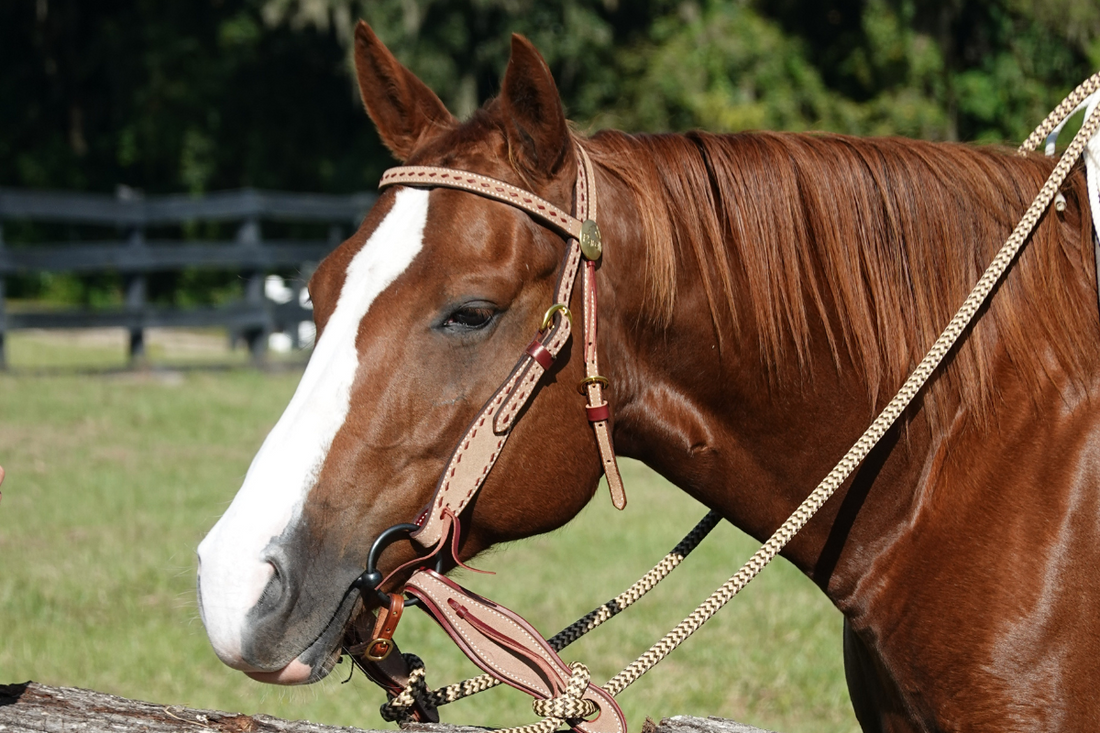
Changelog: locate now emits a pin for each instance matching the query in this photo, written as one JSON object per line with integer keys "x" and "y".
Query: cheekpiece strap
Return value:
{"x": 481, "y": 445}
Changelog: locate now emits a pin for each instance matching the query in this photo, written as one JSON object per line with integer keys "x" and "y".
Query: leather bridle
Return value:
{"x": 484, "y": 440}
{"x": 538, "y": 670}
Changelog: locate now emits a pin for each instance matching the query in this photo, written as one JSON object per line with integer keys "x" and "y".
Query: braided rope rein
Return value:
{"x": 824, "y": 490}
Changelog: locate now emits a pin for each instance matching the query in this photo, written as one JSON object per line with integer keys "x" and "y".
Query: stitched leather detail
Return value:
{"x": 469, "y": 465}
{"x": 506, "y": 418}
{"x": 436, "y": 591}
{"x": 553, "y": 343}
{"x": 594, "y": 392}
{"x": 489, "y": 187}
{"x": 473, "y": 458}
{"x": 503, "y": 644}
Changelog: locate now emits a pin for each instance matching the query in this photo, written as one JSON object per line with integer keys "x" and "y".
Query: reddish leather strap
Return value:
{"x": 391, "y": 674}
{"x": 540, "y": 354}
{"x": 496, "y": 639}
{"x": 507, "y": 647}
{"x": 381, "y": 642}
{"x": 598, "y": 413}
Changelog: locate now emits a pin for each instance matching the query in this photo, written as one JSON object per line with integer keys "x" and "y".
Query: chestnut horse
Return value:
{"x": 761, "y": 296}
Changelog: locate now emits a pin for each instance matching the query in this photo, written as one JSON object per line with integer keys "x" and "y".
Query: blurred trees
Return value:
{"x": 173, "y": 96}
{"x": 212, "y": 94}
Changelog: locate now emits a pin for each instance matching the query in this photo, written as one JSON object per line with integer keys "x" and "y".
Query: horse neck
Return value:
{"x": 706, "y": 410}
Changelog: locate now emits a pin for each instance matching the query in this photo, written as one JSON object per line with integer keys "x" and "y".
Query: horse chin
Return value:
{"x": 319, "y": 658}
{"x": 298, "y": 672}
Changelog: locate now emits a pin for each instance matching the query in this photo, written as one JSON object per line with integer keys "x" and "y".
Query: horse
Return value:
{"x": 761, "y": 296}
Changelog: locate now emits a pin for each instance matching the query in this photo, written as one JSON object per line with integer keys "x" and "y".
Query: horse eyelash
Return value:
{"x": 452, "y": 321}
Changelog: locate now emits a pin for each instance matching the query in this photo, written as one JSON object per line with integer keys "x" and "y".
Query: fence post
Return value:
{"x": 136, "y": 295}
{"x": 256, "y": 337}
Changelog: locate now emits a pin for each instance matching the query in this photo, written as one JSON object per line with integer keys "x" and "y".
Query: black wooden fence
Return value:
{"x": 134, "y": 256}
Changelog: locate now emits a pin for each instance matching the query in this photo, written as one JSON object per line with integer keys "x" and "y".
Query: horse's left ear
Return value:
{"x": 534, "y": 119}
{"x": 403, "y": 108}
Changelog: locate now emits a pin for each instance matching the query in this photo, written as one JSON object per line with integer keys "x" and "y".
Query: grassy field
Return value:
{"x": 113, "y": 479}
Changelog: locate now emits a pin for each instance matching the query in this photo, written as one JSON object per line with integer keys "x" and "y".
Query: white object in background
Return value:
{"x": 275, "y": 290}
{"x": 1092, "y": 159}
{"x": 280, "y": 342}
{"x": 307, "y": 334}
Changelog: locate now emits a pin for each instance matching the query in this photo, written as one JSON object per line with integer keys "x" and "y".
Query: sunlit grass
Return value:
{"x": 114, "y": 479}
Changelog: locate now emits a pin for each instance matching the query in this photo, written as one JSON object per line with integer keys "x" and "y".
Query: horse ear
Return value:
{"x": 534, "y": 119}
{"x": 402, "y": 107}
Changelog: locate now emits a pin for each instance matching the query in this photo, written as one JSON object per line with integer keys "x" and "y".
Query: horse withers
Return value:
{"x": 762, "y": 295}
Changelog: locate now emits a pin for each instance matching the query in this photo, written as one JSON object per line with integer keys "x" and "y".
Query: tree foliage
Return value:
{"x": 225, "y": 93}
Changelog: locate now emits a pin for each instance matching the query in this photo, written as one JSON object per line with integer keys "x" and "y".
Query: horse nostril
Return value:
{"x": 276, "y": 586}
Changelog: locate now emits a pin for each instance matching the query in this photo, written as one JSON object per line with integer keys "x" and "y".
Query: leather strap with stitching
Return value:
{"x": 599, "y": 410}
{"x": 484, "y": 439}
{"x": 426, "y": 175}
{"x": 507, "y": 647}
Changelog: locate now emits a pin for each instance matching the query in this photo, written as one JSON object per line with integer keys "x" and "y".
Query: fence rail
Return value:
{"x": 133, "y": 256}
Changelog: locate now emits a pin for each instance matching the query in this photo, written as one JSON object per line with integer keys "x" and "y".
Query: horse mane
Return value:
{"x": 877, "y": 241}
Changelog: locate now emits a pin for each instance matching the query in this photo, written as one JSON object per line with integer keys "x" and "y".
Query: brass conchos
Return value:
{"x": 591, "y": 242}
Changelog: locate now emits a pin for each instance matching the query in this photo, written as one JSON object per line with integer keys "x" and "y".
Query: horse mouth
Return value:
{"x": 318, "y": 659}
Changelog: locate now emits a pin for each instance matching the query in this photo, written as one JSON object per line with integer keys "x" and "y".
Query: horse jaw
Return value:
{"x": 242, "y": 568}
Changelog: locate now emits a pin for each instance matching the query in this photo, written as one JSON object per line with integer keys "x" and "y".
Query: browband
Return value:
{"x": 426, "y": 175}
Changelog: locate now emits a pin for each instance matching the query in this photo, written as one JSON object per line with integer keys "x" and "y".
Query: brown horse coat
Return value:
{"x": 762, "y": 295}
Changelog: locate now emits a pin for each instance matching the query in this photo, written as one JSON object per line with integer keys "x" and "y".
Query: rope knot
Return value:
{"x": 399, "y": 709}
{"x": 570, "y": 705}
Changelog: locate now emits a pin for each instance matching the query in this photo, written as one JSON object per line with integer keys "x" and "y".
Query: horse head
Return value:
{"x": 420, "y": 317}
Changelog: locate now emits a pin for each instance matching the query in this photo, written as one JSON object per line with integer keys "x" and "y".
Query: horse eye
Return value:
{"x": 469, "y": 318}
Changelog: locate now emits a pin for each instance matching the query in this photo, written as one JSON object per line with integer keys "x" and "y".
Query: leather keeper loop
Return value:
{"x": 599, "y": 413}
{"x": 541, "y": 354}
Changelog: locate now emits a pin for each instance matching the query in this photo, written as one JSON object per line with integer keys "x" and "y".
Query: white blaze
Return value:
{"x": 233, "y": 571}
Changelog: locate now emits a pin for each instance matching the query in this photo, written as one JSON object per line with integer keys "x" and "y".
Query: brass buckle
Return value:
{"x": 376, "y": 654}
{"x": 549, "y": 317}
{"x": 581, "y": 385}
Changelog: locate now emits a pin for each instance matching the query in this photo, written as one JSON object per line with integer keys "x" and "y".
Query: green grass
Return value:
{"x": 37, "y": 351}
{"x": 114, "y": 479}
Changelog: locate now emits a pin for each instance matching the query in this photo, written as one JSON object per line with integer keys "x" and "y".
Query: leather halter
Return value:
{"x": 478, "y": 449}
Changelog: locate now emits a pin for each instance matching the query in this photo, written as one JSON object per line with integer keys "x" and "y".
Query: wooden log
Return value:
{"x": 33, "y": 708}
